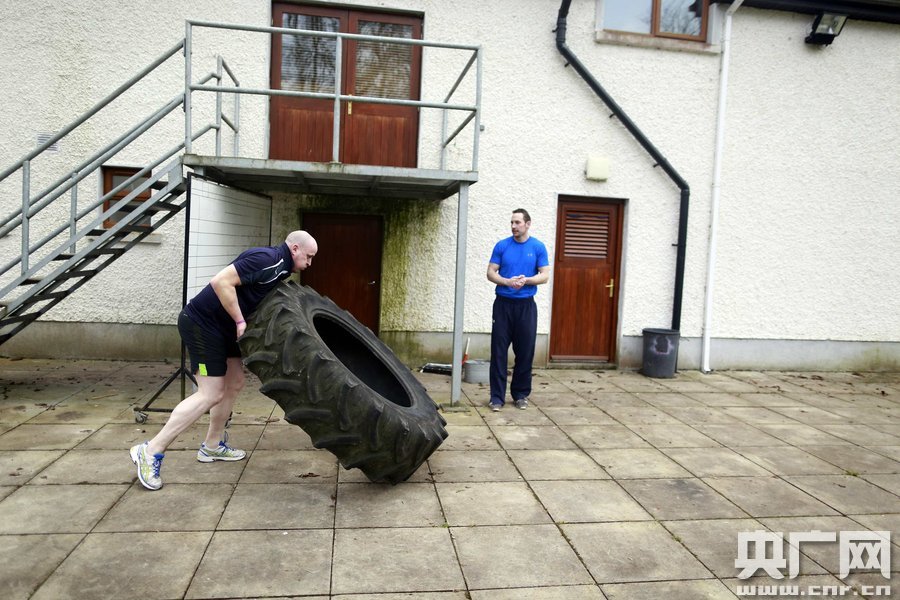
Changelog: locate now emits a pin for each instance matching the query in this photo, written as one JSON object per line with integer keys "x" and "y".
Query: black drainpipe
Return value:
{"x": 648, "y": 146}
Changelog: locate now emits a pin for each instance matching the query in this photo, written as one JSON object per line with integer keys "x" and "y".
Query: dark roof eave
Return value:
{"x": 884, "y": 11}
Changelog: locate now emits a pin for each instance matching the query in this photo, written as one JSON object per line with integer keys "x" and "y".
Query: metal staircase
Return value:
{"x": 78, "y": 241}
{"x": 77, "y": 244}
{"x": 75, "y": 261}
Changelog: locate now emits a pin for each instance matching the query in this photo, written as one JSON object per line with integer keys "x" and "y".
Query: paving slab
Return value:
{"x": 588, "y": 501}
{"x": 477, "y": 465}
{"x": 469, "y": 437}
{"x": 681, "y": 499}
{"x": 569, "y": 592}
{"x": 15, "y": 410}
{"x": 709, "y": 462}
{"x": 674, "y": 436}
{"x": 770, "y": 496}
{"x": 29, "y": 559}
{"x": 695, "y": 589}
{"x": 849, "y": 495}
{"x": 88, "y": 466}
{"x": 604, "y": 436}
{"x": 126, "y": 566}
{"x": 182, "y": 466}
{"x": 891, "y": 483}
{"x": 637, "y": 463}
{"x": 735, "y": 435}
{"x": 799, "y": 434}
{"x": 377, "y": 505}
{"x": 665, "y": 400}
{"x": 854, "y": 459}
{"x": 39, "y": 509}
{"x": 586, "y": 477}
{"x": 826, "y": 554}
{"x": 787, "y": 460}
{"x": 860, "y": 434}
{"x": 392, "y": 560}
{"x": 174, "y": 507}
{"x": 284, "y": 436}
{"x": 632, "y": 552}
{"x": 536, "y": 465}
{"x": 517, "y": 562}
{"x": 288, "y": 466}
{"x": 640, "y": 415}
{"x": 18, "y": 467}
{"x": 44, "y": 437}
{"x": 577, "y": 415}
{"x": 272, "y": 563}
{"x": 490, "y": 503}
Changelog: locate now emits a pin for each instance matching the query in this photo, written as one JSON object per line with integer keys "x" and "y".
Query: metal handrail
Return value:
{"x": 76, "y": 216}
{"x": 97, "y": 107}
{"x": 168, "y": 171}
{"x": 38, "y": 203}
{"x": 474, "y": 110}
{"x": 31, "y": 206}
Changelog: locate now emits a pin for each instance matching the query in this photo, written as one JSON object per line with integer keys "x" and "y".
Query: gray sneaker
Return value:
{"x": 522, "y": 403}
{"x": 496, "y": 406}
{"x": 147, "y": 466}
{"x": 222, "y": 452}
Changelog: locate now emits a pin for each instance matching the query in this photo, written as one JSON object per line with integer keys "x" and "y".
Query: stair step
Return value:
{"x": 164, "y": 206}
{"x": 46, "y": 296}
{"x": 63, "y": 257}
{"x": 104, "y": 250}
{"x": 121, "y": 232}
{"x": 31, "y": 281}
{"x": 79, "y": 273}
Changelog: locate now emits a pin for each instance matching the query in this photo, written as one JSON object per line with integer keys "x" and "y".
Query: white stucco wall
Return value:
{"x": 808, "y": 218}
{"x": 811, "y": 176}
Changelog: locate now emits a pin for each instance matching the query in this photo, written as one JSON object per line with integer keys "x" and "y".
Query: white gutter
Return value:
{"x": 716, "y": 184}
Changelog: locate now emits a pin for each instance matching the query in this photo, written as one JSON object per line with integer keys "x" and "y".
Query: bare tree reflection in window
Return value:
{"x": 383, "y": 70}
{"x": 308, "y": 62}
{"x": 682, "y": 17}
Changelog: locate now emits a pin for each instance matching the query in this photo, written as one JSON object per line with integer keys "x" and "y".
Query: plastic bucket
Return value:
{"x": 660, "y": 353}
{"x": 476, "y": 371}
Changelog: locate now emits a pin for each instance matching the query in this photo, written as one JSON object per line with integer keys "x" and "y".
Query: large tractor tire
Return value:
{"x": 342, "y": 385}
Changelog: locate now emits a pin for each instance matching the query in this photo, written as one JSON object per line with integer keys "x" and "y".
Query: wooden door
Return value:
{"x": 586, "y": 280}
{"x": 302, "y": 128}
{"x": 347, "y": 267}
{"x": 375, "y": 134}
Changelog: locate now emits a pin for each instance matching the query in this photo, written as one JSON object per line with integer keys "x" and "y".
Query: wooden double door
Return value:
{"x": 586, "y": 280}
{"x": 372, "y": 134}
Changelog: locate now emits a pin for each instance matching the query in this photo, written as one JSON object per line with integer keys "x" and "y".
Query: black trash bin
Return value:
{"x": 660, "y": 353}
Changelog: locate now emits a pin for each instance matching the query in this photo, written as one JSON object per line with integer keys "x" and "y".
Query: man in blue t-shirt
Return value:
{"x": 210, "y": 325}
{"x": 518, "y": 265}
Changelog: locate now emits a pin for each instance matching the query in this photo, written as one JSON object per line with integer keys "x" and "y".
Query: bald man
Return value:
{"x": 210, "y": 325}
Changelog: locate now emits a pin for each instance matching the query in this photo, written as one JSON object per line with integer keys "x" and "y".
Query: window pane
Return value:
{"x": 383, "y": 70}
{"x": 627, "y": 15}
{"x": 118, "y": 180}
{"x": 307, "y": 63}
{"x": 679, "y": 16}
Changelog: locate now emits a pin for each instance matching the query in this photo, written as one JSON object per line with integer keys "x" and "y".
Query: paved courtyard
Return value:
{"x": 610, "y": 485}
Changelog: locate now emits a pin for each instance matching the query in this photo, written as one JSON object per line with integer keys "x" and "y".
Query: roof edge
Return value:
{"x": 884, "y": 11}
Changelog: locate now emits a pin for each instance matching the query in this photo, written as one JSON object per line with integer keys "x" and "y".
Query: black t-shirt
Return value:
{"x": 260, "y": 270}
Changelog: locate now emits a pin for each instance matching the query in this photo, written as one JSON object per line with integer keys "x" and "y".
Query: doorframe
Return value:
{"x": 380, "y": 218}
{"x": 618, "y": 270}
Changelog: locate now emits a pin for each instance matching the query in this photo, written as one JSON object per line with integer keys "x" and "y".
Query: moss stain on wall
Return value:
{"x": 408, "y": 247}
